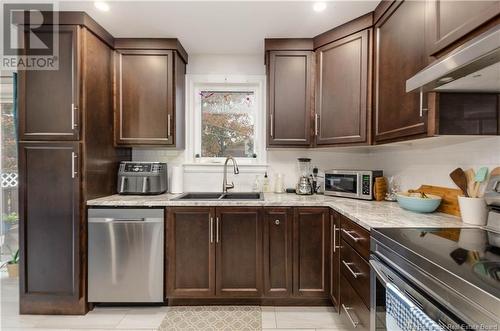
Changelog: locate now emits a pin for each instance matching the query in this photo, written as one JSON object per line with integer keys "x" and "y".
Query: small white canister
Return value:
{"x": 177, "y": 179}
{"x": 473, "y": 210}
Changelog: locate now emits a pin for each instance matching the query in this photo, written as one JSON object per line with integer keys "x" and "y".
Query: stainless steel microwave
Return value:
{"x": 356, "y": 184}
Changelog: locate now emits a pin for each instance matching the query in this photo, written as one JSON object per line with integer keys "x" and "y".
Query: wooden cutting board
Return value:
{"x": 449, "y": 204}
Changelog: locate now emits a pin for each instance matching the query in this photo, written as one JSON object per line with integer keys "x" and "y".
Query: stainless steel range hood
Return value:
{"x": 473, "y": 67}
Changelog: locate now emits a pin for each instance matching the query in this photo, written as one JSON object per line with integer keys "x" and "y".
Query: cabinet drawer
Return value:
{"x": 353, "y": 312}
{"x": 356, "y": 236}
{"x": 356, "y": 270}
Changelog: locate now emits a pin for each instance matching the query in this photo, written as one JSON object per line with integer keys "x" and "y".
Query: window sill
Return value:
{"x": 219, "y": 167}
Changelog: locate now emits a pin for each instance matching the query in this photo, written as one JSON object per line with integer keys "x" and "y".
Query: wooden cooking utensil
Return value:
{"x": 470, "y": 175}
{"x": 459, "y": 178}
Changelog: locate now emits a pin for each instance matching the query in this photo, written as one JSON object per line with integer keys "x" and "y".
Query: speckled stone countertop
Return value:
{"x": 369, "y": 214}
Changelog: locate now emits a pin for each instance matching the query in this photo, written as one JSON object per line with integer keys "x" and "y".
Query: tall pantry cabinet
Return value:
{"x": 66, "y": 157}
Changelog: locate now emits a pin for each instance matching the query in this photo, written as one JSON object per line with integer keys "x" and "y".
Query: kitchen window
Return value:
{"x": 226, "y": 116}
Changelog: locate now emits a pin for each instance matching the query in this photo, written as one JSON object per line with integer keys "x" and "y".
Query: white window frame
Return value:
{"x": 195, "y": 84}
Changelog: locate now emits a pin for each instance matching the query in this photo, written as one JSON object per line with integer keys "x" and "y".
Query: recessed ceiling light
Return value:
{"x": 319, "y": 6}
{"x": 101, "y": 5}
{"x": 445, "y": 79}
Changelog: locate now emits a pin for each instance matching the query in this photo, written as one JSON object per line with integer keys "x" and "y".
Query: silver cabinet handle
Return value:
{"x": 354, "y": 273}
{"x": 271, "y": 129}
{"x": 335, "y": 247}
{"x": 354, "y": 322}
{"x": 422, "y": 108}
{"x": 217, "y": 229}
{"x": 277, "y": 222}
{"x": 168, "y": 125}
{"x": 74, "y": 173}
{"x": 73, "y": 116}
{"x": 349, "y": 233}
{"x": 316, "y": 124}
{"x": 211, "y": 229}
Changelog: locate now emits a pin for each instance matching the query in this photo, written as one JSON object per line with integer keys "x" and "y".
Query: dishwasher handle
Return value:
{"x": 110, "y": 220}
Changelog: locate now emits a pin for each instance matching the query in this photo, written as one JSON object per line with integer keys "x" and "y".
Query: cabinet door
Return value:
{"x": 190, "y": 252}
{"x": 290, "y": 98}
{"x": 144, "y": 97}
{"x": 49, "y": 99}
{"x": 278, "y": 251}
{"x": 311, "y": 259}
{"x": 239, "y": 252}
{"x": 399, "y": 54}
{"x": 335, "y": 258}
{"x": 448, "y": 21}
{"x": 50, "y": 237}
{"x": 342, "y": 90}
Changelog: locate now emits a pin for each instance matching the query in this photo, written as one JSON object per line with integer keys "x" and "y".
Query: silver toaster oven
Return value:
{"x": 142, "y": 178}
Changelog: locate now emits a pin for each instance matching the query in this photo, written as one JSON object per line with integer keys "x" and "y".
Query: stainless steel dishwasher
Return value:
{"x": 125, "y": 255}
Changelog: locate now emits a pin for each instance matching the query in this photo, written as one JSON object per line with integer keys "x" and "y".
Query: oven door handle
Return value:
{"x": 378, "y": 271}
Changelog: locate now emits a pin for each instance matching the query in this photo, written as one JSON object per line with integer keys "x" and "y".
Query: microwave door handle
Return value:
{"x": 359, "y": 185}
{"x": 377, "y": 270}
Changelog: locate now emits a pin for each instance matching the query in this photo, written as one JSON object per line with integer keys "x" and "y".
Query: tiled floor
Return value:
{"x": 148, "y": 318}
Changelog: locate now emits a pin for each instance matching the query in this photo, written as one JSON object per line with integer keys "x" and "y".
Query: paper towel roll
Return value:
{"x": 177, "y": 180}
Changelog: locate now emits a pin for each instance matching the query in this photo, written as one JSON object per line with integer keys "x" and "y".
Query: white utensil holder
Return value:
{"x": 473, "y": 210}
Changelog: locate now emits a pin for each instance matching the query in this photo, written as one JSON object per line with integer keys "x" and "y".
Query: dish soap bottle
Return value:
{"x": 265, "y": 184}
{"x": 256, "y": 184}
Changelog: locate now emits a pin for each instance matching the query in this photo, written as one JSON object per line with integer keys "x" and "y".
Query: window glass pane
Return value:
{"x": 9, "y": 177}
{"x": 227, "y": 124}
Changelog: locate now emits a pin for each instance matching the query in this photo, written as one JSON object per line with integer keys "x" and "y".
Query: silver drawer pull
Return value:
{"x": 74, "y": 172}
{"x": 354, "y": 273}
{"x": 277, "y": 222}
{"x": 217, "y": 230}
{"x": 353, "y": 321}
{"x": 74, "y": 109}
{"x": 335, "y": 247}
{"x": 211, "y": 229}
{"x": 349, "y": 233}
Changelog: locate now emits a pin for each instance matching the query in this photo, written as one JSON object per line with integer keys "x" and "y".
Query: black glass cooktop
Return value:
{"x": 472, "y": 254}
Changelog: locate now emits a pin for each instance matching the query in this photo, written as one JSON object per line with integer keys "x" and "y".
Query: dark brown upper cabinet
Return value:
{"x": 399, "y": 54}
{"x": 290, "y": 98}
{"x": 448, "y": 21}
{"x": 190, "y": 267}
{"x": 49, "y": 100}
{"x": 343, "y": 90}
{"x": 149, "y": 95}
{"x": 311, "y": 262}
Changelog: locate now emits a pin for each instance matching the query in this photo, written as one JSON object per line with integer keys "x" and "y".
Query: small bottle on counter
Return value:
{"x": 265, "y": 184}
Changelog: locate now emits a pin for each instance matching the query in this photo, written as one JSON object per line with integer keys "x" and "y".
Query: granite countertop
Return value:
{"x": 369, "y": 214}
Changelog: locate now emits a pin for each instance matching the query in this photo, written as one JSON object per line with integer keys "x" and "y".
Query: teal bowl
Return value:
{"x": 413, "y": 202}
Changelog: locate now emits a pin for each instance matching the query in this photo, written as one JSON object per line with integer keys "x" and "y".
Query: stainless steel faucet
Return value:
{"x": 225, "y": 185}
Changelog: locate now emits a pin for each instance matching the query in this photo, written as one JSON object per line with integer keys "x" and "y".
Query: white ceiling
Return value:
{"x": 222, "y": 27}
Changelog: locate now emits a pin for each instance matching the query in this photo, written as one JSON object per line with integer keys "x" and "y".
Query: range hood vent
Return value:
{"x": 473, "y": 67}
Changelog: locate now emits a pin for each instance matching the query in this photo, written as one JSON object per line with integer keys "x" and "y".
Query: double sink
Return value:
{"x": 220, "y": 196}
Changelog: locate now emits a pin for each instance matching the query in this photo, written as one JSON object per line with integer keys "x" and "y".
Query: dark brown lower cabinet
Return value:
{"x": 239, "y": 251}
{"x": 52, "y": 260}
{"x": 278, "y": 223}
{"x": 191, "y": 252}
{"x": 335, "y": 258}
{"x": 353, "y": 312}
{"x": 311, "y": 239}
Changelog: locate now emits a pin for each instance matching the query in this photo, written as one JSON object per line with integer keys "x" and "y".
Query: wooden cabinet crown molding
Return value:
{"x": 68, "y": 18}
{"x": 361, "y": 23}
{"x": 172, "y": 44}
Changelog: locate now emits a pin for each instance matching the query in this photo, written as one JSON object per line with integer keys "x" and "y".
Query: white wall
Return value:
{"x": 430, "y": 161}
{"x": 426, "y": 161}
